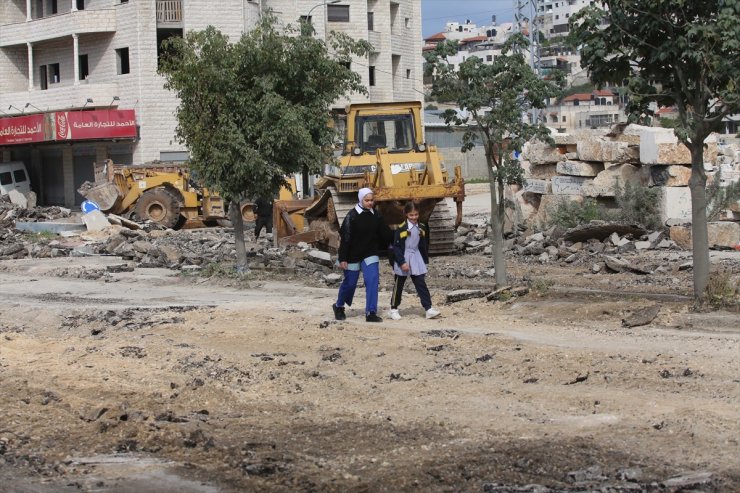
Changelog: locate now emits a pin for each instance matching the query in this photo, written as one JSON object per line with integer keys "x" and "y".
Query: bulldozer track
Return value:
{"x": 442, "y": 230}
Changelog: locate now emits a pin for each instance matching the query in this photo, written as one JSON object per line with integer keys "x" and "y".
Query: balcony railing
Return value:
{"x": 169, "y": 11}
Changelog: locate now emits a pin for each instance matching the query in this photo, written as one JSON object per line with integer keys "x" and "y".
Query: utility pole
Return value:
{"x": 526, "y": 10}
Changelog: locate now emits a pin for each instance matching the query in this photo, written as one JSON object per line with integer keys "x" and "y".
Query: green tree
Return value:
{"x": 254, "y": 111}
{"x": 495, "y": 96}
{"x": 671, "y": 52}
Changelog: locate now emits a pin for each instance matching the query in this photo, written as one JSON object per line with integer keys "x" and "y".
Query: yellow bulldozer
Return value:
{"x": 166, "y": 195}
{"x": 384, "y": 149}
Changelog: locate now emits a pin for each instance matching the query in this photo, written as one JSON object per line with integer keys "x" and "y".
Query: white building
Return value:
{"x": 483, "y": 42}
{"x": 78, "y": 81}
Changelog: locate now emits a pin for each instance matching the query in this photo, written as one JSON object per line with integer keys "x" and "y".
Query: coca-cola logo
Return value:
{"x": 62, "y": 126}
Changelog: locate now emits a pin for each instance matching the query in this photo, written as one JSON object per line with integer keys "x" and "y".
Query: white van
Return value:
{"x": 13, "y": 176}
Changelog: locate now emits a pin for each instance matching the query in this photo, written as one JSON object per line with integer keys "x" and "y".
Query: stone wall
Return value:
{"x": 591, "y": 164}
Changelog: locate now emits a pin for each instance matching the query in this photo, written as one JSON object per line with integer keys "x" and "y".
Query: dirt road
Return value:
{"x": 149, "y": 381}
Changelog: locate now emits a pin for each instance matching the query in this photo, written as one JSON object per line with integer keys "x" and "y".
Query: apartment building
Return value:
{"x": 79, "y": 83}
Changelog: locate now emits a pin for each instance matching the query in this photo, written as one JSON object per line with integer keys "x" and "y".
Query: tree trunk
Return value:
{"x": 699, "y": 233}
{"x": 235, "y": 215}
{"x": 497, "y": 230}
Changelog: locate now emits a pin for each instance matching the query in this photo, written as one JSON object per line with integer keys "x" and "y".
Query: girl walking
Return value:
{"x": 362, "y": 234}
{"x": 411, "y": 256}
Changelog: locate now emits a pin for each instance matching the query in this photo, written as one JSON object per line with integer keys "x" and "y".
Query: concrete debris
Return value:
{"x": 643, "y": 316}
{"x": 463, "y": 294}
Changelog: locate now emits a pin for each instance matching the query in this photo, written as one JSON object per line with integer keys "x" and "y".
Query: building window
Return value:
{"x": 53, "y": 6}
{"x": 84, "y": 67}
{"x": 407, "y": 22}
{"x": 337, "y": 13}
{"x": 408, "y": 73}
{"x": 122, "y": 61}
{"x": 563, "y": 119}
{"x": 43, "y": 80}
{"x": 306, "y": 19}
{"x": 80, "y": 4}
{"x": 489, "y": 58}
{"x": 371, "y": 21}
{"x": 54, "y": 75}
{"x": 372, "y": 75}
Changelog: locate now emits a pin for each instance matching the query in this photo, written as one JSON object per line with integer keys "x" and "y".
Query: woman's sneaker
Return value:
{"x": 432, "y": 313}
{"x": 372, "y": 317}
{"x": 394, "y": 314}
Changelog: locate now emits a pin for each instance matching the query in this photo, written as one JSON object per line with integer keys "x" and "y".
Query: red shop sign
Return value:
{"x": 22, "y": 129}
{"x": 97, "y": 124}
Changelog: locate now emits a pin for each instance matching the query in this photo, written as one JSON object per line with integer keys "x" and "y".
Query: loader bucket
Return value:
{"x": 105, "y": 195}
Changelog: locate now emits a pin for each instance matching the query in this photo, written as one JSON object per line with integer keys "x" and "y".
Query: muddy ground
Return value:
{"x": 155, "y": 381}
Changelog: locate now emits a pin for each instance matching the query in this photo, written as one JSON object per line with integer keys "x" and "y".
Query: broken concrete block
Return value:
{"x": 463, "y": 294}
{"x": 95, "y": 221}
{"x": 543, "y": 171}
{"x": 674, "y": 175}
{"x": 319, "y": 257}
{"x": 640, "y": 317}
{"x": 661, "y": 146}
{"x": 605, "y": 183}
{"x": 533, "y": 185}
{"x": 675, "y": 204}
{"x": 18, "y": 198}
{"x": 598, "y": 149}
{"x": 643, "y": 245}
{"x": 579, "y": 168}
{"x": 723, "y": 234}
{"x": 541, "y": 153}
{"x": 568, "y": 185}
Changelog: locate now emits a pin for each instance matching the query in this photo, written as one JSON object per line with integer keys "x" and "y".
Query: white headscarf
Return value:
{"x": 361, "y": 194}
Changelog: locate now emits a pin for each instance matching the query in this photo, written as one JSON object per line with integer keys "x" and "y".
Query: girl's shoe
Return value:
{"x": 394, "y": 314}
{"x": 432, "y": 313}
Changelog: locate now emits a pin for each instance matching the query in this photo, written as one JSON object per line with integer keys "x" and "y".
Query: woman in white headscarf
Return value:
{"x": 362, "y": 235}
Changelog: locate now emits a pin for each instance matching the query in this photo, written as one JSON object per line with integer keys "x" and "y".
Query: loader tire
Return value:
{"x": 160, "y": 206}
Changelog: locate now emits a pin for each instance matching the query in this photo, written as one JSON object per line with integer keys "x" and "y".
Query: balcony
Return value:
{"x": 59, "y": 26}
{"x": 169, "y": 13}
{"x": 61, "y": 98}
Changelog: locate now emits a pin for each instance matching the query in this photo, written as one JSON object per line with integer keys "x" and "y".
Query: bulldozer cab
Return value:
{"x": 392, "y": 126}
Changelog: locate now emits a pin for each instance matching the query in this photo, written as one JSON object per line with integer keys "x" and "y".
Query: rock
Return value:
{"x": 598, "y": 149}
{"x": 568, "y": 185}
{"x": 95, "y": 221}
{"x": 661, "y": 146}
{"x": 643, "y": 245}
{"x": 600, "y": 230}
{"x": 689, "y": 481}
{"x": 615, "y": 264}
{"x": 722, "y": 234}
{"x": 319, "y": 257}
{"x": 533, "y": 185}
{"x": 463, "y": 294}
{"x": 332, "y": 279}
{"x": 541, "y": 153}
{"x": 596, "y": 268}
{"x": 640, "y": 317}
{"x": 17, "y": 198}
{"x": 579, "y": 168}
{"x": 675, "y": 205}
{"x": 503, "y": 293}
{"x": 605, "y": 183}
{"x": 669, "y": 176}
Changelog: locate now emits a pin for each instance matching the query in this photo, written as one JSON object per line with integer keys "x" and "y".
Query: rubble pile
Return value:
{"x": 9, "y": 213}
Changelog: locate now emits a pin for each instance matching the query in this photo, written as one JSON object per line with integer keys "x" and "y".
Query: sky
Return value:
{"x": 436, "y": 13}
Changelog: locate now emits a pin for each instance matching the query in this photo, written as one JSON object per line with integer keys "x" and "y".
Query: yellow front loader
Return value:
{"x": 163, "y": 194}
